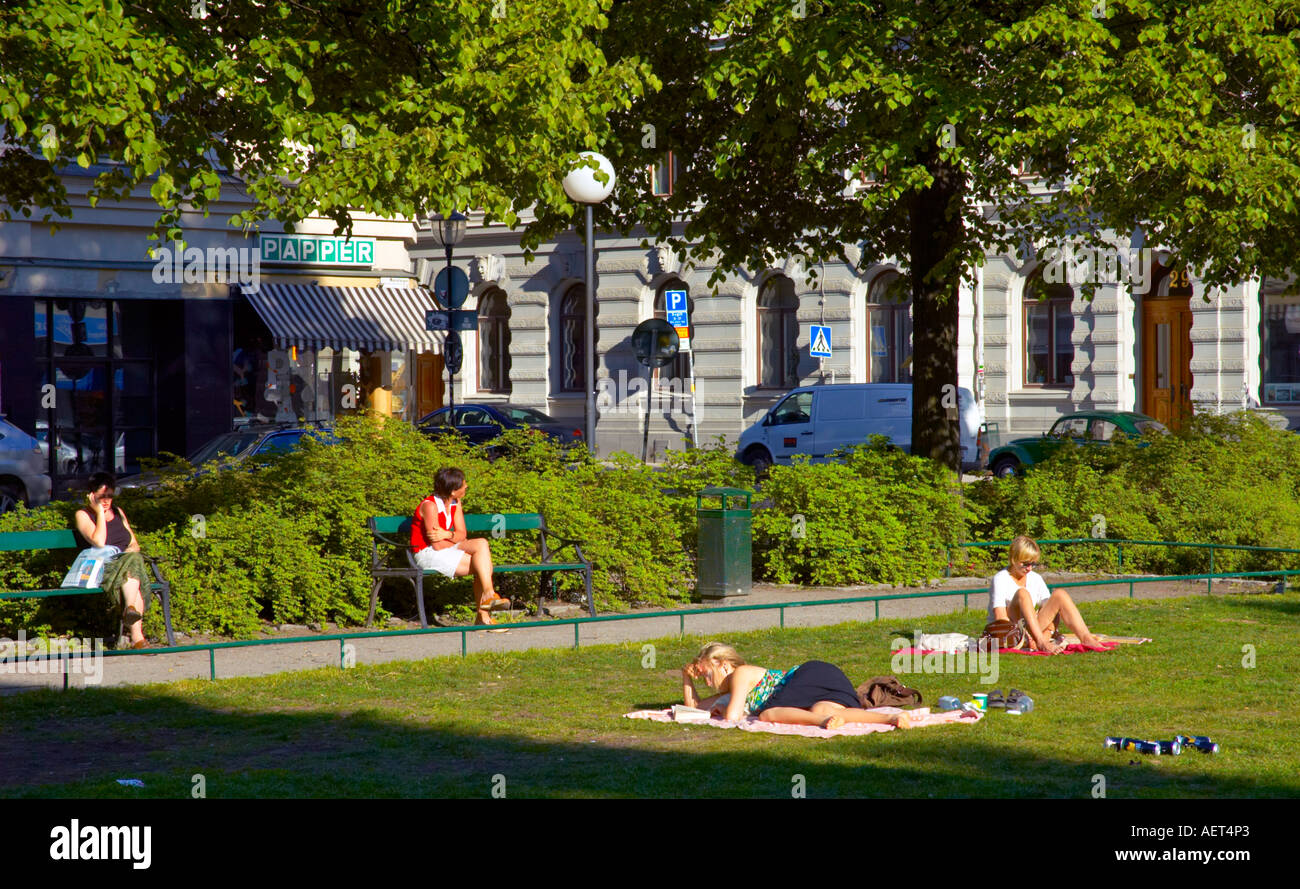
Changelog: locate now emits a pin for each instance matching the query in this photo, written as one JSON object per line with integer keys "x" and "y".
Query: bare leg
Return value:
{"x": 1061, "y": 603}
{"x": 132, "y": 598}
{"x": 828, "y": 714}
{"x": 835, "y": 715}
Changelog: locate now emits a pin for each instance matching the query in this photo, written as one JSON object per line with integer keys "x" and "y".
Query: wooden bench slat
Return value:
{"x": 36, "y": 541}
{"x": 19, "y": 541}
{"x": 395, "y": 532}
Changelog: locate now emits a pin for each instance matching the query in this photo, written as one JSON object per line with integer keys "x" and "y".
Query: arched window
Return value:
{"x": 889, "y": 329}
{"x": 1049, "y": 323}
{"x": 571, "y": 357}
{"x": 778, "y": 333}
{"x": 679, "y": 368}
{"x": 494, "y": 342}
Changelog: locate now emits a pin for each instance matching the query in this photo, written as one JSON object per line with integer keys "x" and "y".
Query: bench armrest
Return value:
{"x": 564, "y": 543}
{"x": 157, "y": 572}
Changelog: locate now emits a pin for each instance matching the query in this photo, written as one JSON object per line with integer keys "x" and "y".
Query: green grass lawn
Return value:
{"x": 550, "y": 722}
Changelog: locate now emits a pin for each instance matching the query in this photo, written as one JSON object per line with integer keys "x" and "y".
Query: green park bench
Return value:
{"x": 36, "y": 541}
{"x": 394, "y": 532}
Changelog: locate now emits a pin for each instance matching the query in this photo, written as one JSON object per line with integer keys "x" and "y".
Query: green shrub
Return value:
{"x": 1225, "y": 479}
{"x": 880, "y": 516}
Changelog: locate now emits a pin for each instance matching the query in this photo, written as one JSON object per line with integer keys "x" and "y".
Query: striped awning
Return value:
{"x": 367, "y": 319}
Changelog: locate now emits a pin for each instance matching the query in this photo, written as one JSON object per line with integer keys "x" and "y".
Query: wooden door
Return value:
{"x": 429, "y": 386}
{"x": 1167, "y": 360}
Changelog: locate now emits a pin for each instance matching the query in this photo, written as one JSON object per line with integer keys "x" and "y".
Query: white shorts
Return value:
{"x": 444, "y": 561}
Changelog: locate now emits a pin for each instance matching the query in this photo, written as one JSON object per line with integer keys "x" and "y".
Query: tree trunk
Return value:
{"x": 936, "y": 240}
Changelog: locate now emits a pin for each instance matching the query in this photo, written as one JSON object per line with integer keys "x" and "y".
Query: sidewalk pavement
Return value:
{"x": 262, "y": 660}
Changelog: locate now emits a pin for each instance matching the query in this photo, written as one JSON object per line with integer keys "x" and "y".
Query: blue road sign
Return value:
{"x": 457, "y": 320}
{"x": 452, "y": 353}
{"x": 678, "y": 310}
{"x": 819, "y": 342}
{"x": 459, "y": 289}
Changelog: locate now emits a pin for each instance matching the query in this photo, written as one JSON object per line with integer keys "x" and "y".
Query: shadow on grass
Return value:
{"x": 166, "y": 741}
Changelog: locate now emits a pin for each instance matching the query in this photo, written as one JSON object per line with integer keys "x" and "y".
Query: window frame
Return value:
{"x": 781, "y": 312}
{"x": 1054, "y": 305}
{"x": 487, "y": 324}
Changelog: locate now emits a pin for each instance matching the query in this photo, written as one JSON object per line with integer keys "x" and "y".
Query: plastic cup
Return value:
{"x": 981, "y": 701}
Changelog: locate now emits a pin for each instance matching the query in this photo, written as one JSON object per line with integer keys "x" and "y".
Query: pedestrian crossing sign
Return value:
{"x": 819, "y": 342}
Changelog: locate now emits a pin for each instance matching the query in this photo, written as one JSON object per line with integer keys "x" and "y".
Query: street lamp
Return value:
{"x": 581, "y": 185}
{"x": 447, "y": 233}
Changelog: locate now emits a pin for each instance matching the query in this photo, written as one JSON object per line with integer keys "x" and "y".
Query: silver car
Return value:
{"x": 23, "y": 479}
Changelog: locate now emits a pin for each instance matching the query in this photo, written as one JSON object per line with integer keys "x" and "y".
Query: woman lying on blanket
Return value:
{"x": 813, "y": 693}
{"x": 1018, "y": 594}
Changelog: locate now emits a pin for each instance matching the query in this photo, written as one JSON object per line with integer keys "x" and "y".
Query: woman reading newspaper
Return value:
{"x": 102, "y": 524}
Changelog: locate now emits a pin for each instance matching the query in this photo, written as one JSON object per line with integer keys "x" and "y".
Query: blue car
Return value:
{"x": 256, "y": 443}
{"x": 481, "y": 423}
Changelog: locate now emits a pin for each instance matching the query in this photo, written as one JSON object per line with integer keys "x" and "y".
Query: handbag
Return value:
{"x": 88, "y": 569}
{"x": 1000, "y": 634}
{"x": 1015, "y": 636}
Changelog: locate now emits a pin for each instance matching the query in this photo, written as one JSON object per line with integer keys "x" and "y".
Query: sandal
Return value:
{"x": 496, "y": 603}
{"x": 996, "y": 701}
{"x": 130, "y": 616}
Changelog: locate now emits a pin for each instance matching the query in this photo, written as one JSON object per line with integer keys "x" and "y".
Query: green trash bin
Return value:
{"x": 724, "y": 567}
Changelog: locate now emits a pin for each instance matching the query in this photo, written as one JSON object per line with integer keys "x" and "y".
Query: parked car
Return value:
{"x": 818, "y": 420}
{"x": 1082, "y": 428}
{"x": 247, "y": 443}
{"x": 23, "y": 479}
{"x": 481, "y": 423}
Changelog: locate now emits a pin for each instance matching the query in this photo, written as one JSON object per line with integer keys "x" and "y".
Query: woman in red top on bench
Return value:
{"x": 439, "y": 542}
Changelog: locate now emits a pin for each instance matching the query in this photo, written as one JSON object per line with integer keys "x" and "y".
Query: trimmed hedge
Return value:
{"x": 287, "y": 542}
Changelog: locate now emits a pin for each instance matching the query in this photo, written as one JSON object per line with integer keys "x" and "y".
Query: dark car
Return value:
{"x": 250, "y": 442}
{"x": 23, "y": 479}
{"x": 481, "y": 423}
{"x": 1082, "y": 428}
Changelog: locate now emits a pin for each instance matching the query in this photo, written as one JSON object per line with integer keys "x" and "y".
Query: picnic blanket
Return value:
{"x": 1074, "y": 648}
{"x": 1071, "y": 639}
{"x": 921, "y": 717}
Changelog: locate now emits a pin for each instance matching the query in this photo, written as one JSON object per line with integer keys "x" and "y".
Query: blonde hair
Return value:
{"x": 1023, "y": 549}
{"x": 720, "y": 651}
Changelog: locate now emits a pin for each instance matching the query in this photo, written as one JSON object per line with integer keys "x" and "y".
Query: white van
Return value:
{"x": 817, "y": 420}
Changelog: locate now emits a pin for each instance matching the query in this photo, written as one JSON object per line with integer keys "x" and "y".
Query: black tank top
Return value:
{"x": 117, "y": 533}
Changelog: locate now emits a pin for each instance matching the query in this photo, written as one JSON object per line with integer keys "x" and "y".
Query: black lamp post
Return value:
{"x": 448, "y": 232}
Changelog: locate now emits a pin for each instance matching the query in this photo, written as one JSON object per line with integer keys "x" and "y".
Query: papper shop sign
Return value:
{"x": 318, "y": 250}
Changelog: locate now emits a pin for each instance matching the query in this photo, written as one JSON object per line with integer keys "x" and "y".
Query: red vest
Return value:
{"x": 445, "y": 522}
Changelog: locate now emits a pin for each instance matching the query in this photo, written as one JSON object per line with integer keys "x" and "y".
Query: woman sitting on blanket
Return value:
{"x": 1018, "y": 594}
{"x": 439, "y": 542}
{"x": 813, "y": 693}
{"x": 102, "y": 524}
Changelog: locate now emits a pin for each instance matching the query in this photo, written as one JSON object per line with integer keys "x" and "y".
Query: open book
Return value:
{"x": 682, "y": 713}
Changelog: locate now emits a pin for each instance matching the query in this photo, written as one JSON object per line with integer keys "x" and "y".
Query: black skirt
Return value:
{"x": 812, "y": 683}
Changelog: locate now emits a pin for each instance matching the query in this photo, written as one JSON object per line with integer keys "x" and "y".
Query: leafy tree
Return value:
{"x": 1176, "y": 115}
{"x": 311, "y": 106}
